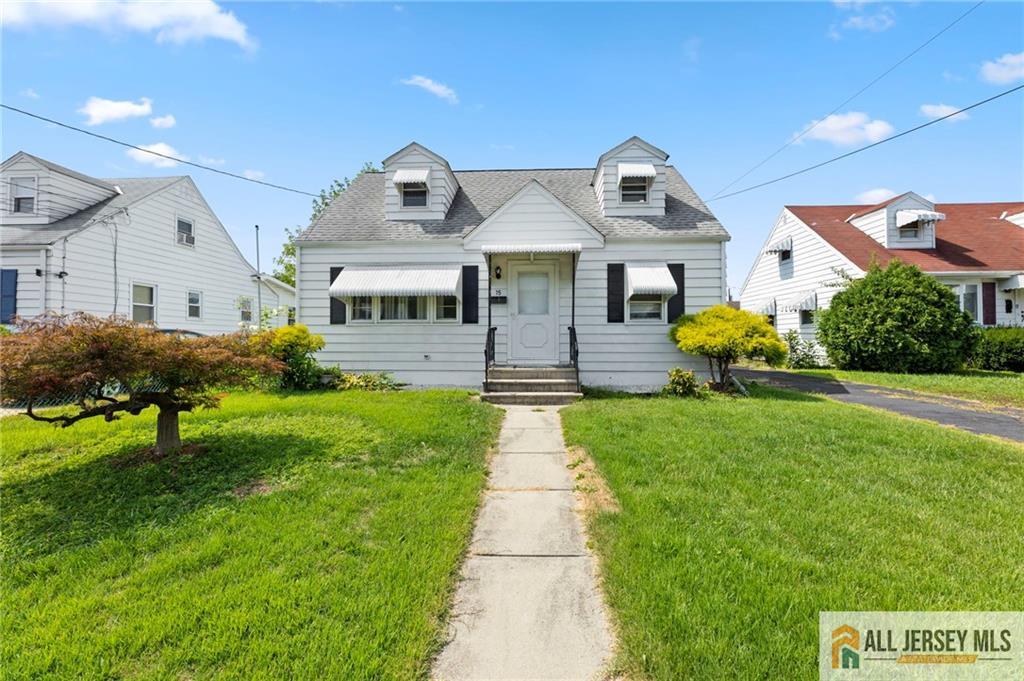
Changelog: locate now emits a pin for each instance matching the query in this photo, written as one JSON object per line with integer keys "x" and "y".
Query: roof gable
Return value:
{"x": 619, "y": 148}
{"x": 561, "y": 223}
{"x": 56, "y": 168}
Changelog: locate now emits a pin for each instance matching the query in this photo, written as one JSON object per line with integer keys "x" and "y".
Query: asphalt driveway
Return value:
{"x": 949, "y": 411}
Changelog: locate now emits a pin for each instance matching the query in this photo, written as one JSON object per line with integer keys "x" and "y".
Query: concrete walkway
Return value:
{"x": 528, "y": 605}
{"x": 949, "y": 411}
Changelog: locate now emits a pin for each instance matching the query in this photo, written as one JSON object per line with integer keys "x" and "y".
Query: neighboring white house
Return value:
{"x": 977, "y": 249}
{"x": 419, "y": 269}
{"x": 147, "y": 248}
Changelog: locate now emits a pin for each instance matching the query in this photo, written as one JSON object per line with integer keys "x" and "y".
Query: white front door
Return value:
{"x": 533, "y": 314}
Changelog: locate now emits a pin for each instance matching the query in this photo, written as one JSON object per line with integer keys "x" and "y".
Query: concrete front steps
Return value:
{"x": 531, "y": 385}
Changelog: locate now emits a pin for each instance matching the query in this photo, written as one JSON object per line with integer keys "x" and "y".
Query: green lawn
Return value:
{"x": 317, "y": 537}
{"x": 741, "y": 519}
{"x": 997, "y": 388}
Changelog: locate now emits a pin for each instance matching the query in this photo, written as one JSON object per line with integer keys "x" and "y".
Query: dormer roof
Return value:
{"x": 646, "y": 146}
{"x": 416, "y": 146}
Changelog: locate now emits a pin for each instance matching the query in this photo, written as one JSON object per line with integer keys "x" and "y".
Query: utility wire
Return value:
{"x": 157, "y": 153}
{"x": 848, "y": 99}
{"x": 869, "y": 146}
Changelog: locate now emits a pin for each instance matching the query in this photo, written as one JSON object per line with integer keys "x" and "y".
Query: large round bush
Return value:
{"x": 897, "y": 319}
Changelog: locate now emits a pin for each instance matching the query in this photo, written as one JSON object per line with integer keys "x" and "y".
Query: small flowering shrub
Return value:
{"x": 803, "y": 354}
{"x": 294, "y": 345}
{"x": 381, "y": 382}
{"x": 683, "y": 383}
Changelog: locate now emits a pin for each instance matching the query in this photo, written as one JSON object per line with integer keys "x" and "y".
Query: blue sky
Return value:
{"x": 302, "y": 93}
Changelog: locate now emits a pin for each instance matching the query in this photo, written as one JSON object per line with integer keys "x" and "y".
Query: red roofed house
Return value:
{"x": 977, "y": 249}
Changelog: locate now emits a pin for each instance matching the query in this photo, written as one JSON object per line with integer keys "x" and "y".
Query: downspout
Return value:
{"x": 42, "y": 279}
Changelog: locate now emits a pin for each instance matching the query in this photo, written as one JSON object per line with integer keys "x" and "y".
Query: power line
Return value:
{"x": 848, "y": 99}
{"x": 869, "y": 146}
{"x": 157, "y": 153}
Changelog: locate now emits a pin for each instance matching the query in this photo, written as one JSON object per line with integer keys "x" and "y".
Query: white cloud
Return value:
{"x": 211, "y": 161}
{"x": 940, "y": 110}
{"x": 875, "y": 22}
{"x": 156, "y": 161}
{"x": 873, "y": 196}
{"x": 848, "y": 129}
{"x": 170, "y": 21}
{"x": 1005, "y": 70}
{"x": 930, "y": 197}
{"x": 253, "y": 174}
{"x": 168, "y": 121}
{"x": 29, "y": 93}
{"x": 433, "y": 87}
{"x": 99, "y": 110}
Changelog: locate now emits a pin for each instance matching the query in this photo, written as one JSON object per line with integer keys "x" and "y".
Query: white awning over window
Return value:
{"x": 805, "y": 300}
{"x": 427, "y": 280}
{"x": 641, "y": 170}
{"x": 649, "y": 278}
{"x": 412, "y": 175}
{"x": 768, "y": 307}
{"x": 1011, "y": 283}
{"x": 531, "y": 248}
{"x": 906, "y": 217}
{"x": 780, "y": 246}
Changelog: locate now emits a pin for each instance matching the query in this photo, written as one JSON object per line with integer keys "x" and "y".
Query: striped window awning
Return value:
{"x": 805, "y": 300}
{"x": 1011, "y": 283}
{"x": 411, "y": 176}
{"x": 427, "y": 280}
{"x": 634, "y": 170}
{"x": 768, "y": 307}
{"x": 907, "y": 217}
{"x": 649, "y": 278}
{"x": 780, "y": 246}
{"x": 531, "y": 248}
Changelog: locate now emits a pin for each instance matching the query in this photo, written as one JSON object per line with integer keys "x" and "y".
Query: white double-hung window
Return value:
{"x": 648, "y": 287}
{"x": 403, "y": 308}
{"x": 143, "y": 303}
{"x": 635, "y": 182}
{"x": 195, "y": 305}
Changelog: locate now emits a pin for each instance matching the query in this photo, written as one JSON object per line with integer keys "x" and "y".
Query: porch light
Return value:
{"x": 497, "y": 272}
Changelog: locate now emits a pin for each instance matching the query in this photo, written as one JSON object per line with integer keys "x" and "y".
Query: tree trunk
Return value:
{"x": 168, "y": 439}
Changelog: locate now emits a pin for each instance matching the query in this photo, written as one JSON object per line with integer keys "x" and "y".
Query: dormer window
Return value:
{"x": 635, "y": 182}
{"x": 414, "y": 195}
{"x": 911, "y": 231}
{"x": 412, "y": 186}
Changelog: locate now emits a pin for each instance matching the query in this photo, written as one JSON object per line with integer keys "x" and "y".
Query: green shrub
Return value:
{"x": 897, "y": 319}
{"x": 294, "y": 345}
{"x": 380, "y": 382}
{"x": 683, "y": 383}
{"x": 1001, "y": 348}
{"x": 803, "y": 354}
{"x": 723, "y": 335}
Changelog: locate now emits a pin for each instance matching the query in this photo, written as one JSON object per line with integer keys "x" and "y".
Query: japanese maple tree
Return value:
{"x": 111, "y": 366}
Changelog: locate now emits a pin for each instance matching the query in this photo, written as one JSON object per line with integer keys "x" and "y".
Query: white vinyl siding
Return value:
{"x": 606, "y": 185}
{"x": 440, "y": 191}
{"x": 56, "y": 195}
{"x": 630, "y": 356}
{"x": 147, "y": 252}
{"x": 810, "y": 267}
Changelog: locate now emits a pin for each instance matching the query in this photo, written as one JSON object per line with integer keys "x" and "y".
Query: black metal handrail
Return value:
{"x": 489, "y": 353}
{"x": 574, "y": 354}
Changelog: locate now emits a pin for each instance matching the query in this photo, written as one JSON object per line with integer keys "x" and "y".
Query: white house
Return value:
{"x": 147, "y": 248}
{"x": 455, "y": 278}
{"x": 977, "y": 249}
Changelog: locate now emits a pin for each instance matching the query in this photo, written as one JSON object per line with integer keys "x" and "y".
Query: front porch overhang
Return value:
{"x": 513, "y": 248}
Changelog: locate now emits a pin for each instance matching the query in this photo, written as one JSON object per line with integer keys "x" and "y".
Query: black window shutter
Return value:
{"x": 337, "y": 307}
{"x": 988, "y": 303}
{"x": 616, "y": 293}
{"x": 470, "y": 294}
{"x": 8, "y": 295}
{"x": 677, "y": 303}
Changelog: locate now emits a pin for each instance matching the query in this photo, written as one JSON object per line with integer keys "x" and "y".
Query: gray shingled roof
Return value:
{"x": 358, "y": 214}
{"x": 133, "y": 189}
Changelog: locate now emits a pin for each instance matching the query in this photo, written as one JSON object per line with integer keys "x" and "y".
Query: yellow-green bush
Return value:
{"x": 723, "y": 335}
{"x": 294, "y": 345}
